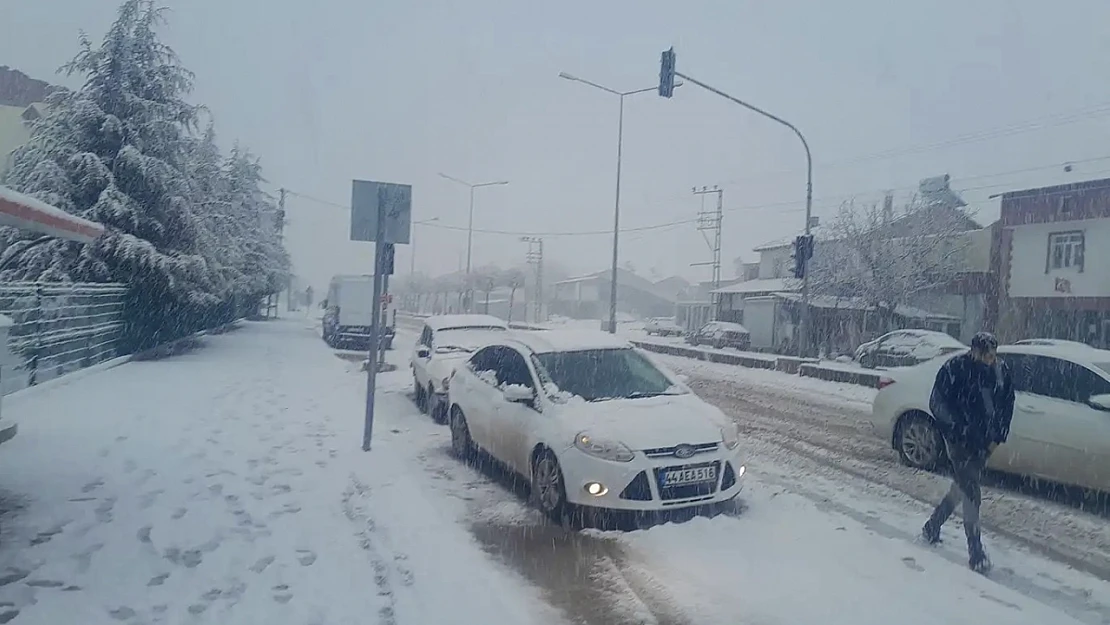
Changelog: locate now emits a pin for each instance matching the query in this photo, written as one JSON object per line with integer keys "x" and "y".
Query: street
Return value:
{"x": 227, "y": 485}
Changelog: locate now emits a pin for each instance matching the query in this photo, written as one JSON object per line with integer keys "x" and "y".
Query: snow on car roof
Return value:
{"x": 547, "y": 341}
{"x": 1076, "y": 353}
{"x": 451, "y": 322}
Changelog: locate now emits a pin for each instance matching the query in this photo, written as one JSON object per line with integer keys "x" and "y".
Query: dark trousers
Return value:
{"x": 967, "y": 471}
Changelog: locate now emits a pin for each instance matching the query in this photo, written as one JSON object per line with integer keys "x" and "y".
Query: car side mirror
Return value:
{"x": 1100, "y": 402}
{"x": 423, "y": 352}
{"x": 517, "y": 394}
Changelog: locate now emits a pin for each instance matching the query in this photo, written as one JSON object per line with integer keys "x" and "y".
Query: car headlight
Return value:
{"x": 730, "y": 435}
{"x": 606, "y": 450}
{"x": 445, "y": 383}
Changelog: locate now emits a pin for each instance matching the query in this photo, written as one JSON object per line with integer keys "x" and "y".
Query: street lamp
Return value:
{"x": 470, "y": 218}
{"x": 412, "y": 244}
{"x": 617, "y": 201}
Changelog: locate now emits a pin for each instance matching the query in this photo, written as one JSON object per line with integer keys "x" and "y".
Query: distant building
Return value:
{"x": 587, "y": 297}
{"x": 21, "y": 103}
{"x": 1053, "y": 258}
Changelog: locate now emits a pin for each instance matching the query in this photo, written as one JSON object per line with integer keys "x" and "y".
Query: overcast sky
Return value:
{"x": 330, "y": 90}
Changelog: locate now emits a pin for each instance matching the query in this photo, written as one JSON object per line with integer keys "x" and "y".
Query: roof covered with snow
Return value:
{"x": 547, "y": 341}
{"x": 450, "y": 322}
{"x": 765, "y": 285}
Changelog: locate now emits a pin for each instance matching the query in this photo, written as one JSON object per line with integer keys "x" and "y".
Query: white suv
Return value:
{"x": 591, "y": 421}
{"x": 446, "y": 341}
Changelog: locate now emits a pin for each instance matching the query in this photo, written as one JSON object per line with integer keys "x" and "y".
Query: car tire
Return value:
{"x": 919, "y": 442}
{"x": 437, "y": 411}
{"x": 418, "y": 394}
{"x": 429, "y": 394}
{"x": 867, "y": 361}
{"x": 462, "y": 446}
{"x": 549, "y": 493}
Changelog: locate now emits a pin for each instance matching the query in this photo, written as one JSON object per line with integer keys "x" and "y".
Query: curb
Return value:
{"x": 803, "y": 367}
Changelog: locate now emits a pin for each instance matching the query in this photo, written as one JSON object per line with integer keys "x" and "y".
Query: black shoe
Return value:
{"x": 980, "y": 563}
{"x": 930, "y": 535}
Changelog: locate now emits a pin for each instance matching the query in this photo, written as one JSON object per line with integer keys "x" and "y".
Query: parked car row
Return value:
{"x": 588, "y": 419}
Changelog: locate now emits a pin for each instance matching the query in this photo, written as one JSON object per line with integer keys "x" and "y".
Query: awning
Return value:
{"x": 26, "y": 213}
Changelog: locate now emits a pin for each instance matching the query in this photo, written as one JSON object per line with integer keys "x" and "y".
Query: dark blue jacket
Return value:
{"x": 959, "y": 408}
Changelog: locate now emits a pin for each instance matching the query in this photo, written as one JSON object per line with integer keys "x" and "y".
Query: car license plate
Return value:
{"x": 692, "y": 475}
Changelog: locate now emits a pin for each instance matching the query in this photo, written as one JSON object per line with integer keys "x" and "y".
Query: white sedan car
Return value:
{"x": 445, "y": 341}
{"x": 1061, "y": 426}
{"x": 593, "y": 422}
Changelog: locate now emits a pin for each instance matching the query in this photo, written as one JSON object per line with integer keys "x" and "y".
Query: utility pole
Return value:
{"x": 271, "y": 304}
{"x": 667, "y": 75}
{"x": 535, "y": 258}
{"x": 710, "y": 221}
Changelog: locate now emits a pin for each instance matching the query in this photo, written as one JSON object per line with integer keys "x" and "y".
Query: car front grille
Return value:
{"x": 660, "y": 452}
{"x": 638, "y": 489}
{"x": 728, "y": 480}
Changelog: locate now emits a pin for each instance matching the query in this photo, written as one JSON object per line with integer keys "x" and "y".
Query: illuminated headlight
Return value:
{"x": 597, "y": 489}
{"x": 606, "y": 450}
{"x": 730, "y": 436}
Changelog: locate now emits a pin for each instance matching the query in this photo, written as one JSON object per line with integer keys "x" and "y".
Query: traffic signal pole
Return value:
{"x": 667, "y": 74}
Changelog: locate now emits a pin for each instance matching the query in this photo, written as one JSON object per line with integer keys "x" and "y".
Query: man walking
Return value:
{"x": 973, "y": 403}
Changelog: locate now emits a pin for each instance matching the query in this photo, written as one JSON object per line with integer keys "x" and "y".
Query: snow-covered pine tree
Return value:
{"x": 121, "y": 151}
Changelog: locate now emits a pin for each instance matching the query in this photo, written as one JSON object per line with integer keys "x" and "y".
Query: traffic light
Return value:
{"x": 666, "y": 73}
{"x": 803, "y": 251}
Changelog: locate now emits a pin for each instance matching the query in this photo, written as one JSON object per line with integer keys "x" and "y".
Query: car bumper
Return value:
{"x": 636, "y": 485}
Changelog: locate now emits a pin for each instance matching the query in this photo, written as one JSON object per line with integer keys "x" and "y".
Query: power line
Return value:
{"x": 783, "y": 205}
{"x": 1040, "y": 123}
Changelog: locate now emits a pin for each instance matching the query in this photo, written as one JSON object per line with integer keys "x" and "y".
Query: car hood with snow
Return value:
{"x": 648, "y": 422}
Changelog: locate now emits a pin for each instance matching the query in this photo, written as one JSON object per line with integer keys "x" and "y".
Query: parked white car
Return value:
{"x": 1053, "y": 343}
{"x": 445, "y": 341}
{"x": 1061, "y": 426}
{"x": 663, "y": 326}
{"x": 593, "y": 422}
{"x": 904, "y": 348}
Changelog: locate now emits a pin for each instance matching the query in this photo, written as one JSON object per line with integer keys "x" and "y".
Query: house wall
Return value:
{"x": 775, "y": 263}
{"x": 1031, "y": 276}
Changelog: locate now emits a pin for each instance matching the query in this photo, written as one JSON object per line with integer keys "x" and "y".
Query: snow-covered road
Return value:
{"x": 227, "y": 486}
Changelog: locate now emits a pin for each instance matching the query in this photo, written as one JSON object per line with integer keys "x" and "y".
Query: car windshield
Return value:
{"x": 463, "y": 339}
{"x": 603, "y": 374}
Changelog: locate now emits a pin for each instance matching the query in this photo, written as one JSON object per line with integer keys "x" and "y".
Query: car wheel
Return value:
{"x": 548, "y": 490}
{"x": 429, "y": 399}
{"x": 867, "y": 361}
{"x": 920, "y": 444}
{"x": 418, "y": 393}
{"x": 461, "y": 443}
{"x": 438, "y": 411}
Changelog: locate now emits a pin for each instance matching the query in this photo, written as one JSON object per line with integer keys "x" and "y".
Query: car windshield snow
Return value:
{"x": 463, "y": 339}
{"x": 603, "y": 374}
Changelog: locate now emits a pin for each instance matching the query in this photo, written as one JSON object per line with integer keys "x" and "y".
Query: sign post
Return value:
{"x": 380, "y": 212}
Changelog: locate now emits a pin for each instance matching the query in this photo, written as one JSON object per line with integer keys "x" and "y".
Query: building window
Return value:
{"x": 1065, "y": 251}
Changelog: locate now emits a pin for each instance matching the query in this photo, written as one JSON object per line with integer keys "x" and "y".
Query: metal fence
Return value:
{"x": 58, "y": 328}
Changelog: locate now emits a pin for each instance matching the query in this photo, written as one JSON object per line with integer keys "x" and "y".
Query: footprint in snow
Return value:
{"x": 306, "y": 557}
{"x": 262, "y": 563}
{"x": 912, "y": 564}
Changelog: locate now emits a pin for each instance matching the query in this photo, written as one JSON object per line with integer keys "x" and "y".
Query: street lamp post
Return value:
{"x": 617, "y": 201}
{"x": 412, "y": 244}
{"x": 470, "y": 219}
